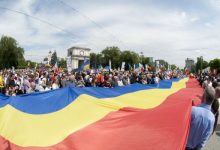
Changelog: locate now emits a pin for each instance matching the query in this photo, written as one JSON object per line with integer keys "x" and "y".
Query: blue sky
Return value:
{"x": 164, "y": 29}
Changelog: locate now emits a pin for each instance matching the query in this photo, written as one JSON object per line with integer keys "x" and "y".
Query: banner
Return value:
{"x": 215, "y": 72}
{"x": 146, "y": 67}
{"x": 100, "y": 67}
{"x": 157, "y": 66}
{"x": 85, "y": 65}
{"x": 186, "y": 71}
{"x": 107, "y": 68}
{"x": 123, "y": 66}
{"x": 69, "y": 64}
{"x": 110, "y": 64}
{"x": 136, "y": 116}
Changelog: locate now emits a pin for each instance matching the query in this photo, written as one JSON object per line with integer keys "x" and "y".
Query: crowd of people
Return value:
{"x": 204, "y": 117}
{"x": 17, "y": 82}
{"x": 203, "y": 120}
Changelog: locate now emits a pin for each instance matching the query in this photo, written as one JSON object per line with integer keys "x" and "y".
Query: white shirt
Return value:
{"x": 55, "y": 86}
{"x": 120, "y": 83}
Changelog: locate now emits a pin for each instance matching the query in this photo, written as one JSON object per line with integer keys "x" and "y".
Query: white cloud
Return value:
{"x": 183, "y": 14}
{"x": 194, "y": 19}
{"x": 208, "y": 24}
{"x": 172, "y": 33}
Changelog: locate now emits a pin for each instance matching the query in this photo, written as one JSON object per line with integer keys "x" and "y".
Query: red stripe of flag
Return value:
{"x": 162, "y": 128}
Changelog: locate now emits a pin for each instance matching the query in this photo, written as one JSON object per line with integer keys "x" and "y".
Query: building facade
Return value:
{"x": 78, "y": 55}
{"x": 189, "y": 64}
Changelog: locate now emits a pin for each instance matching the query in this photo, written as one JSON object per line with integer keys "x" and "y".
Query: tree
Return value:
{"x": 62, "y": 63}
{"x": 173, "y": 67}
{"x": 215, "y": 64}
{"x": 10, "y": 53}
{"x": 193, "y": 69}
{"x": 113, "y": 54}
{"x": 99, "y": 60}
{"x": 31, "y": 64}
{"x": 130, "y": 58}
{"x": 145, "y": 61}
{"x": 96, "y": 60}
{"x": 54, "y": 58}
{"x": 205, "y": 64}
{"x": 198, "y": 64}
{"x": 93, "y": 62}
{"x": 201, "y": 64}
{"x": 45, "y": 59}
{"x": 164, "y": 64}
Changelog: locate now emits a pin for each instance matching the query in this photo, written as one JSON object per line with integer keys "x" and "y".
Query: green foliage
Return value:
{"x": 215, "y": 64}
{"x": 62, "y": 63}
{"x": 201, "y": 64}
{"x": 173, "y": 67}
{"x": 145, "y": 60}
{"x": 99, "y": 60}
{"x": 93, "y": 62}
{"x": 163, "y": 64}
{"x": 205, "y": 64}
{"x": 198, "y": 64}
{"x": 54, "y": 58}
{"x": 117, "y": 57}
{"x": 31, "y": 64}
{"x": 130, "y": 58}
{"x": 45, "y": 59}
{"x": 10, "y": 53}
{"x": 193, "y": 69}
{"x": 96, "y": 60}
{"x": 113, "y": 54}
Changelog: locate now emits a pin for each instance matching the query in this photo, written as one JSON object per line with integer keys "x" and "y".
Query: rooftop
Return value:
{"x": 75, "y": 47}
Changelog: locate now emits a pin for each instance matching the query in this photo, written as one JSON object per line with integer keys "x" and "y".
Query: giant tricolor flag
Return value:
{"x": 134, "y": 117}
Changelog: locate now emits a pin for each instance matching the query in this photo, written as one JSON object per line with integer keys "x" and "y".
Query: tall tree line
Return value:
{"x": 10, "y": 53}
{"x": 117, "y": 57}
{"x": 202, "y": 64}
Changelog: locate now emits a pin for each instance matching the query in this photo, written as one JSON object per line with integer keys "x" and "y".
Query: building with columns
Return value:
{"x": 78, "y": 55}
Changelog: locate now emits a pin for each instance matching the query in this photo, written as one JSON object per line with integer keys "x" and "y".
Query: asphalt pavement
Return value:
{"x": 214, "y": 141}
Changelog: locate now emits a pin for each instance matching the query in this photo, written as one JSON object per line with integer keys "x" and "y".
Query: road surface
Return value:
{"x": 214, "y": 141}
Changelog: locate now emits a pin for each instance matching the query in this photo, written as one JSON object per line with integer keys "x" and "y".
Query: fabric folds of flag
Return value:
{"x": 85, "y": 65}
{"x": 136, "y": 117}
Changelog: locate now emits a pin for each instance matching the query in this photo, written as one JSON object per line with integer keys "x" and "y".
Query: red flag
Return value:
{"x": 186, "y": 71}
{"x": 215, "y": 72}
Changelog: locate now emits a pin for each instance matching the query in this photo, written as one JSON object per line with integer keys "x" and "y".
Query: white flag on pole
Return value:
{"x": 69, "y": 64}
{"x": 123, "y": 66}
{"x": 110, "y": 64}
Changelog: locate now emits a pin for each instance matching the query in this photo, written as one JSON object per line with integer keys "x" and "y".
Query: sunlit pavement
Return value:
{"x": 214, "y": 141}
